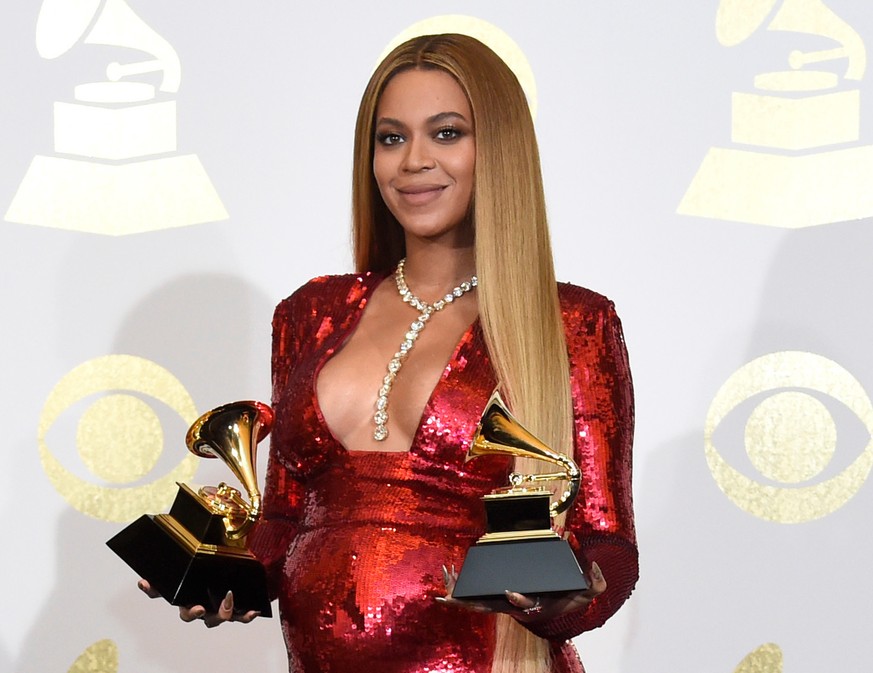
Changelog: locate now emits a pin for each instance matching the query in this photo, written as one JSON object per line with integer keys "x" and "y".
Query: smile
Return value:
{"x": 420, "y": 195}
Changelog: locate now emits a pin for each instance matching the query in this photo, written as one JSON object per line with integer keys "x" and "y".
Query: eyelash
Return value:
{"x": 390, "y": 138}
{"x": 455, "y": 133}
{"x": 387, "y": 138}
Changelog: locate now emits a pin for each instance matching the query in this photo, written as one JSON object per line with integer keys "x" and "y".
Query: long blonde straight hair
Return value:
{"x": 519, "y": 310}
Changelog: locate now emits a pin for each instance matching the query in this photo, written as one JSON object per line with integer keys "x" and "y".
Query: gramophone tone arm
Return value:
{"x": 571, "y": 476}
{"x": 517, "y": 478}
{"x": 814, "y": 17}
{"x": 116, "y": 71}
{"x": 253, "y": 511}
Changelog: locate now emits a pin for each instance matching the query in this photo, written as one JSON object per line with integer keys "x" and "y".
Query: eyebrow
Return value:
{"x": 433, "y": 119}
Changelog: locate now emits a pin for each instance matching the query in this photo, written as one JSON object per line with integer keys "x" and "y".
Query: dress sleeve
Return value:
{"x": 283, "y": 492}
{"x": 600, "y": 524}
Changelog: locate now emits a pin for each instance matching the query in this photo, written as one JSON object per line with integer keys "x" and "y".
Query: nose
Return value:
{"x": 418, "y": 156}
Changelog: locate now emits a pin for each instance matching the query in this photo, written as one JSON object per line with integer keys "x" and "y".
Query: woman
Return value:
{"x": 379, "y": 382}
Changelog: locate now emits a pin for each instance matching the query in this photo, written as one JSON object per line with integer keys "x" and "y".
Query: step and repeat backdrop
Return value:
{"x": 171, "y": 170}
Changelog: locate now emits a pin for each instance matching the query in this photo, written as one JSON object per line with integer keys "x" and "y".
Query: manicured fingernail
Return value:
{"x": 198, "y": 613}
{"x": 141, "y": 585}
{"x": 227, "y": 603}
{"x": 595, "y": 571}
{"x": 446, "y": 575}
{"x": 441, "y": 599}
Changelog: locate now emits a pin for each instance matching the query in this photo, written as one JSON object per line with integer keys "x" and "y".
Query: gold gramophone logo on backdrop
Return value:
{"x": 796, "y": 160}
{"x": 119, "y": 436}
{"x": 790, "y": 437}
{"x": 115, "y": 170}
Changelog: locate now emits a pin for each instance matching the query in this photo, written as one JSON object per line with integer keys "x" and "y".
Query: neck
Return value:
{"x": 431, "y": 271}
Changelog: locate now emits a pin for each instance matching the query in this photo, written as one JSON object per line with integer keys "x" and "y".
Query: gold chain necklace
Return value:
{"x": 380, "y": 418}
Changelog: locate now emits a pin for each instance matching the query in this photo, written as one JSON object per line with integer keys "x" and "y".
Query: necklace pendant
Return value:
{"x": 380, "y": 417}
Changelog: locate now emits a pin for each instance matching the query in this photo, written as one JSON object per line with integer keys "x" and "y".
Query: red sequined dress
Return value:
{"x": 354, "y": 541}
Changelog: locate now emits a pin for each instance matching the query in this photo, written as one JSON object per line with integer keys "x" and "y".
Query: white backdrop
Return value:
{"x": 148, "y": 233}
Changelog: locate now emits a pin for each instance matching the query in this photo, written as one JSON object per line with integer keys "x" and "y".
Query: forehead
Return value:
{"x": 414, "y": 94}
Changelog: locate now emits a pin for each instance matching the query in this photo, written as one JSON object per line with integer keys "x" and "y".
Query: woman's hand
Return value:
{"x": 192, "y": 613}
{"x": 527, "y": 609}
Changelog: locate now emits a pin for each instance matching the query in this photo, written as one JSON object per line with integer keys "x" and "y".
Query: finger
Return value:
{"x": 147, "y": 589}
{"x": 247, "y": 617}
{"x": 191, "y": 614}
{"x": 520, "y": 601}
{"x": 597, "y": 580}
{"x": 224, "y": 614}
{"x": 464, "y": 605}
{"x": 449, "y": 578}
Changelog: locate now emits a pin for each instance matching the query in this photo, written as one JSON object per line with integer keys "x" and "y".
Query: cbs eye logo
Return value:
{"x": 119, "y": 436}
{"x": 790, "y": 436}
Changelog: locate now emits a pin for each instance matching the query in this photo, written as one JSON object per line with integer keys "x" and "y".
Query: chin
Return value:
{"x": 435, "y": 234}
{"x": 434, "y": 229}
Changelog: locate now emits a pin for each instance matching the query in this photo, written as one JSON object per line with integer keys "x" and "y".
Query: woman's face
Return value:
{"x": 425, "y": 154}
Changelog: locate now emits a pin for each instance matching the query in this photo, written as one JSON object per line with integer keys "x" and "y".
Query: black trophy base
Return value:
{"x": 530, "y": 567}
{"x": 162, "y": 550}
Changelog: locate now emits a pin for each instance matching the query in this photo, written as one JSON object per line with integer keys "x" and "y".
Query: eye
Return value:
{"x": 388, "y": 138}
{"x": 448, "y": 133}
{"x": 786, "y": 410}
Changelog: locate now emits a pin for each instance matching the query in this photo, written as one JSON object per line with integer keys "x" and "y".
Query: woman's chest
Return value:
{"x": 444, "y": 413}
{"x": 373, "y": 386}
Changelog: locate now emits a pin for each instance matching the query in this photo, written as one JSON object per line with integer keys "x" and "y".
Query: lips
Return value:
{"x": 420, "y": 195}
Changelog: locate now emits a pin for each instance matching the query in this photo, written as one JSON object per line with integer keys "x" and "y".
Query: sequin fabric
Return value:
{"x": 354, "y": 541}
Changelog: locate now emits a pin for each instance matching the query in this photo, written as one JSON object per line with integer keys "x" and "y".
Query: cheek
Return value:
{"x": 468, "y": 160}
{"x": 381, "y": 172}
{"x": 467, "y": 172}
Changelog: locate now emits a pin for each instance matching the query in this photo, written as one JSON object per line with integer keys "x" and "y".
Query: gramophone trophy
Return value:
{"x": 520, "y": 551}
{"x": 197, "y": 553}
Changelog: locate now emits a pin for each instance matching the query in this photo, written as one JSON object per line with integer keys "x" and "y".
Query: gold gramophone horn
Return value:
{"x": 231, "y": 432}
{"x": 499, "y": 433}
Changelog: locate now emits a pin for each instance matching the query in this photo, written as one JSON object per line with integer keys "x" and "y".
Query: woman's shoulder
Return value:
{"x": 591, "y": 325}
{"x": 576, "y": 299}
{"x": 325, "y": 294}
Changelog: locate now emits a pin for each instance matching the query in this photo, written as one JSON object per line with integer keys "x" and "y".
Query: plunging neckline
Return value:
{"x": 333, "y": 350}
